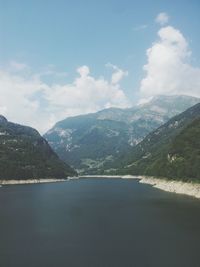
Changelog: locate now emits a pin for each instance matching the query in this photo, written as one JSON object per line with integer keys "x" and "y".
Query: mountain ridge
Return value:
{"x": 172, "y": 150}
{"x": 90, "y": 141}
{"x": 24, "y": 154}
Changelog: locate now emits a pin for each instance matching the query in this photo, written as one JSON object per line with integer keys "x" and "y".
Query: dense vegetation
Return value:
{"x": 172, "y": 151}
{"x": 108, "y": 142}
{"x": 24, "y": 154}
{"x": 91, "y": 143}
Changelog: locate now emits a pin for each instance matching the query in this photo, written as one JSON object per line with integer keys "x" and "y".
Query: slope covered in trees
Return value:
{"x": 24, "y": 154}
{"x": 173, "y": 150}
{"x": 91, "y": 143}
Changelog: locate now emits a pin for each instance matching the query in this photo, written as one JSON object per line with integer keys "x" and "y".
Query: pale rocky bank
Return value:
{"x": 31, "y": 181}
{"x": 179, "y": 187}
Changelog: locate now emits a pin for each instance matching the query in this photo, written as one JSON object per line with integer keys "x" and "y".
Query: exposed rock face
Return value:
{"x": 172, "y": 150}
{"x": 2, "y": 119}
{"x": 91, "y": 142}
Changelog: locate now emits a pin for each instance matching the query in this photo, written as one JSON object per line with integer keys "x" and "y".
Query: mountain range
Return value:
{"x": 93, "y": 143}
{"x": 24, "y": 154}
{"x": 149, "y": 139}
{"x": 172, "y": 150}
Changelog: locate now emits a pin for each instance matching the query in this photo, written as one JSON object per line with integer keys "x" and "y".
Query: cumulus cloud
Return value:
{"x": 27, "y": 99}
{"x": 83, "y": 71}
{"x": 162, "y": 18}
{"x": 118, "y": 73}
{"x": 168, "y": 69}
{"x": 18, "y": 99}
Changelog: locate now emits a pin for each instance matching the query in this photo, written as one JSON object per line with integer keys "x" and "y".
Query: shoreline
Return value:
{"x": 173, "y": 186}
{"x": 31, "y": 181}
{"x": 110, "y": 176}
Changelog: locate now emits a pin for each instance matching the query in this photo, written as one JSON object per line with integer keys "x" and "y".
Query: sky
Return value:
{"x": 65, "y": 58}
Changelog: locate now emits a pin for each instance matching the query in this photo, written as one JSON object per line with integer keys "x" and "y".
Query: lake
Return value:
{"x": 97, "y": 223}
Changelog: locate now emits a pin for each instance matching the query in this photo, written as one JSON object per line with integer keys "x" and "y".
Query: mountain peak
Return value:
{"x": 92, "y": 142}
{"x": 174, "y": 97}
{"x": 3, "y": 119}
{"x": 169, "y": 151}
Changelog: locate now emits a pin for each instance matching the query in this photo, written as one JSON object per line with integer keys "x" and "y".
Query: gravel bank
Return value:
{"x": 179, "y": 187}
{"x": 30, "y": 181}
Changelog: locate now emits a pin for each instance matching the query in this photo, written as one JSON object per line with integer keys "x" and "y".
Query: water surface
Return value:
{"x": 97, "y": 223}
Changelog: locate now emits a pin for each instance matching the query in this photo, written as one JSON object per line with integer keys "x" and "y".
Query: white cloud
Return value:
{"x": 118, "y": 73}
{"x": 83, "y": 71}
{"x": 162, "y": 18}
{"x": 168, "y": 70}
{"x": 17, "y": 100}
{"x": 29, "y": 100}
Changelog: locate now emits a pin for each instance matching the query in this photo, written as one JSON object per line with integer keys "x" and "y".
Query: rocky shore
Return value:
{"x": 31, "y": 181}
{"x": 110, "y": 176}
{"x": 179, "y": 187}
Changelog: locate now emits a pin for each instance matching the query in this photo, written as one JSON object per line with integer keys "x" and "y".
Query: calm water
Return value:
{"x": 97, "y": 223}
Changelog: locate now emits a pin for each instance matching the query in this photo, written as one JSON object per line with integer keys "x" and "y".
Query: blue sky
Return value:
{"x": 44, "y": 42}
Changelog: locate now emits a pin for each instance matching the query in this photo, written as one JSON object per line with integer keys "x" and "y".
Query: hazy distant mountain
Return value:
{"x": 24, "y": 154}
{"x": 90, "y": 142}
{"x": 172, "y": 150}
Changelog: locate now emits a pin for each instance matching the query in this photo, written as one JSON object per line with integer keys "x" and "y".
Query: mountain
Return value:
{"x": 92, "y": 142}
{"x": 172, "y": 150}
{"x": 24, "y": 154}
